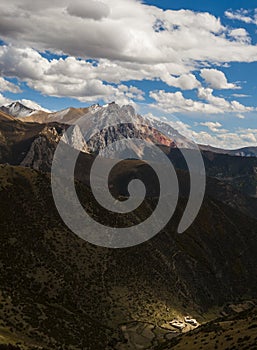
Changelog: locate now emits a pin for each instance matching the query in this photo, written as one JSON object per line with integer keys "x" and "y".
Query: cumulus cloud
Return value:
{"x": 214, "y": 127}
{"x": 221, "y": 103}
{"x": 216, "y": 79}
{"x": 175, "y": 102}
{"x": 241, "y": 35}
{"x": 89, "y": 9}
{"x": 170, "y": 102}
{"x": 242, "y": 15}
{"x": 184, "y": 82}
{"x": 128, "y": 40}
{"x": 126, "y": 35}
{"x": 4, "y": 100}
{"x": 228, "y": 140}
{"x": 126, "y": 32}
{"x": 222, "y": 138}
{"x": 64, "y": 78}
{"x": 5, "y": 85}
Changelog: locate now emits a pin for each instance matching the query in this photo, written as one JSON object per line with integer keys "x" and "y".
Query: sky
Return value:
{"x": 191, "y": 62}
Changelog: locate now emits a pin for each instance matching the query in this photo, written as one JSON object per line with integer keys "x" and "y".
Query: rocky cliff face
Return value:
{"x": 33, "y": 145}
{"x": 98, "y": 128}
{"x": 102, "y": 125}
{"x": 40, "y": 154}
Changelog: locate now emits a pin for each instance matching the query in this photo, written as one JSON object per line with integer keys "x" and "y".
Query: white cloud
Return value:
{"x": 4, "y": 100}
{"x": 214, "y": 127}
{"x": 216, "y": 79}
{"x": 5, "y": 85}
{"x": 228, "y": 140}
{"x": 65, "y": 78}
{"x": 232, "y": 140}
{"x": 184, "y": 82}
{"x": 241, "y": 95}
{"x": 125, "y": 32}
{"x": 175, "y": 102}
{"x": 217, "y": 136}
{"x": 241, "y": 35}
{"x": 126, "y": 40}
{"x": 221, "y": 103}
{"x": 88, "y": 9}
{"x": 170, "y": 102}
{"x": 242, "y": 15}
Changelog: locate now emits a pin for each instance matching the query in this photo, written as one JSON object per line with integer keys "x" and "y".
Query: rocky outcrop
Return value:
{"x": 42, "y": 149}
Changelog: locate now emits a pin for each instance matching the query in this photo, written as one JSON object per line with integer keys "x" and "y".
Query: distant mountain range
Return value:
{"x": 102, "y": 125}
{"x": 59, "y": 292}
{"x": 96, "y": 117}
{"x": 240, "y": 152}
{"x": 33, "y": 144}
{"x": 17, "y": 110}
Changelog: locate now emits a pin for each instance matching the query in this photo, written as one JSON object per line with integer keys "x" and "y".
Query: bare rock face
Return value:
{"x": 42, "y": 150}
{"x": 74, "y": 138}
{"x": 103, "y": 126}
{"x": 100, "y": 126}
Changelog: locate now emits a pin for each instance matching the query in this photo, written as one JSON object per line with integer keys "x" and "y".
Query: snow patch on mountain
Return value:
{"x": 21, "y": 109}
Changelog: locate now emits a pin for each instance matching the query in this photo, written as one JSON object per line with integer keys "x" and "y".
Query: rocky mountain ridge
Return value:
{"x": 94, "y": 118}
{"x": 59, "y": 292}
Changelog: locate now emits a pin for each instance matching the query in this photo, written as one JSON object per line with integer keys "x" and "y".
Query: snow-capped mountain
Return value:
{"x": 33, "y": 105}
{"x": 65, "y": 116}
{"x": 17, "y": 110}
{"x": 23, "y": 108}
{"x": 101, "y": 126}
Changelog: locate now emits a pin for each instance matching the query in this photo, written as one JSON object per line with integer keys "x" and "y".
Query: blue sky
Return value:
{"x": 196, "y": 67}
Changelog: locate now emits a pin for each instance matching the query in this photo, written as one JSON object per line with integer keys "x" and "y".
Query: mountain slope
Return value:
{"x": 236, "y": 331}
{"x": 4, "y": 116}
{"x": 124, "y": 123}
{"x": 67, "y": 116}
{"x": 94, "y": 118}
{"x": 238, "y": 172}
{"x": 33, "y": 145}
{"x": 17, "y": 110}
{"x": 57, "y": 289}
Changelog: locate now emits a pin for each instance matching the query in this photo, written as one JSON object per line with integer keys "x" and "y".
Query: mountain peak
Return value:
{"x": 17, "y": 109}
{"x": 22, "y": 108}
{"x": 18, "y": 105}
